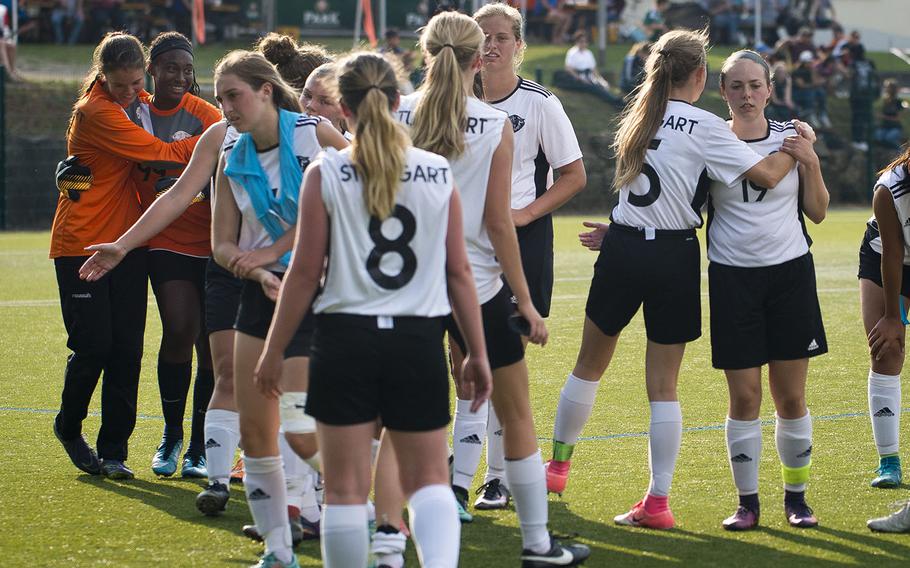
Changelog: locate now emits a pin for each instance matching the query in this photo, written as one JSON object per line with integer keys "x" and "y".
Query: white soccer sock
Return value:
{"x": 345, "y": 538}
{"x": 528, "y": 484}
{"x": 794, "y": 447}
{"x": 665, "y": 437}
{"x": 575, "y": 404}
{"x": 222, "y": 434}
{"x": 885, "y": 410}
{"x": 296, "y": 472}
{"x": 496, "y": 455}
{"x": 467, "y": 441}
{"x": 744, "y": 451}
{"x": 309, "y": 503}
{"x": 435, "y": 526}
{"x": 266, "y": 495}
{"x": 388, "y": 548}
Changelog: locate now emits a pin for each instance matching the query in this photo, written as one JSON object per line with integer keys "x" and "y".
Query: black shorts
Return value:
{"x": 359, "y": 372}
{"x": 504, "y": 346}
{"x": 254, "y": 316}
{"x": 535, "y": 241}
{"x": 763, "y": 314}
{"x": 662, "y": 273}
{"x": 870, "y": 263}
{"x": 165, "y": 265}
{"x": 222, "y": 297}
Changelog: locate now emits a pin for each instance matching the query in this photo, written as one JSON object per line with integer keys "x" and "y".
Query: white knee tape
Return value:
{"x": 294, "y": 419}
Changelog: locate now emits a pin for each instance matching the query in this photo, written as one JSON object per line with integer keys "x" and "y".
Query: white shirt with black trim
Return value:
{"x": 544, "y": 139}
{"x": 750, "y": 226}
{"x": 483, "y": 133}
{"x": 395, "y": 267}
{"x": 580, "y": 60}
{"x": 897, "y": 181}
{"x": 306, "y": 147}
{"x": 691, "y": 147}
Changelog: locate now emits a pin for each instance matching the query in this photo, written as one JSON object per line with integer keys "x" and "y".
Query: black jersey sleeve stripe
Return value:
{"x": 701, "y": 194}
{"x": 229, "y": 147}
{"x": 539, "y": 90}
{"x": 532, "y": 84}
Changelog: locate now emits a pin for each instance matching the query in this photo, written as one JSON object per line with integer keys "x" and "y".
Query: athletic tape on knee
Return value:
{"x": 292, "y": 410}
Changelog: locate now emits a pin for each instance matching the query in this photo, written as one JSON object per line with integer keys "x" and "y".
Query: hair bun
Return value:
{"x": 278, "y": 49}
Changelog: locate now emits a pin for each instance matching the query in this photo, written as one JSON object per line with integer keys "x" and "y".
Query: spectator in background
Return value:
{"x": 801, "y": 43}
{"x": 393, "y": 46}
{"x": 770, "y": 15}
{"x": 71, "y": 12}
{"x": 724, "y": 21}
{"x": 181, "y": 15}
{"x": 890, "y": 131}
{"x": 809, "y": 92}
{"x": 781, "y": 106}
{"x": 559, "y": 15}
{"x": 581, "y": 72}
{"x": 633, "y": 67}
{"x": 654, "y": 23}
{"x": 7, "y": 43}
{"x": 822, "y": 14}
{"x": 106, "y": 15}
{"x": 865, "y": 87}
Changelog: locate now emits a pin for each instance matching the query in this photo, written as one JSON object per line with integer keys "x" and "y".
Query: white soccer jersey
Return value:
{"x": 751, "y": 226}
{"x": 471, "y": 172}
{"x": 897, "y": 181}
{"x": 306, "y": 147}
{"x": 544, "y": 139}
{"x": 395, "y": 267}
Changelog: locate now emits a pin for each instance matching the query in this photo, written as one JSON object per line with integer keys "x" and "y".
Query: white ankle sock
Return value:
{"x": 744, "y": 451}
{"x": 575, "y": 404}
{"x": 665, "y": 437}
{"x": 388, "y": 548}
{"x": 528, "y": 484}
{"x": 885, "y": 410}
{"x": 345, "y": 538}
{"x": 794, "y": 448}
{"x": 222, "y": 434}
{"x": 468, "y": 432}
{"x": 266, "y": 495}
{"x": 435, "y": 526}
{"x": 496, "y": 456}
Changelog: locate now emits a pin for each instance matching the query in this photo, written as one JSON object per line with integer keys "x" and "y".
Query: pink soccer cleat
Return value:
{"x": 639, "y": 517}
{"x": 557, "y": 475}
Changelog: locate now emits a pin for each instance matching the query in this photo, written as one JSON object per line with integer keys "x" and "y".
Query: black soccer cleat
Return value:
{"x": 213, "y": 499}
{"x": 81, "y": 454}
{"x": 558, "y": 555}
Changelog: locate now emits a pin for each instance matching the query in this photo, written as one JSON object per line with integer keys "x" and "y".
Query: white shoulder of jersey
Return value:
{"x": 896, "y": 180}
{"x": 230, "y": 138}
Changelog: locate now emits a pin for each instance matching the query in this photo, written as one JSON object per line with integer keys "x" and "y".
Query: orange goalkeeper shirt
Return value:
{"x": 107, "y": 142}
{"x": 190, "y": 234}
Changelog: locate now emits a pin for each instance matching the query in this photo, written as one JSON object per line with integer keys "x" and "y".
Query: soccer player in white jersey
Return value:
{"x": 544, "y": 140}
{"x": 764, "y": 305}
{"x": 667, "y": 151}
{"x": 377, "y": 209}
{"x": 884, "y": 282}
{"x": 447, "y": 119}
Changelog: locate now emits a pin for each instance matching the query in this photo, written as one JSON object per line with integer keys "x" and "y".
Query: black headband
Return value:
{"x": 170, "y": 44}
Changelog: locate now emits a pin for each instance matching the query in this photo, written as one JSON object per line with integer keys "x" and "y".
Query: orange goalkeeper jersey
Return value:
{"x": 190, "y": 234}
{"x": 106, "y": 141}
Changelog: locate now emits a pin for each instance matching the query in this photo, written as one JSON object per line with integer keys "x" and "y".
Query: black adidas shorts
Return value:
{"x": 504, "y": 346}
{"x": 535, "y": 241}
{"x": 165, "y": 265}
{"x": 762, "y": 314}
{"x": 254, "y": 316}
{"x": 870, "y": 263}
{"x": 662, "y": 273}
{"x": 222, "y": 297}
{"x": 360, "y": 372}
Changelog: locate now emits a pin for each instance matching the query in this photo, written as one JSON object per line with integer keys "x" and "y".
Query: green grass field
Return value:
{"x": 52, "y": 515}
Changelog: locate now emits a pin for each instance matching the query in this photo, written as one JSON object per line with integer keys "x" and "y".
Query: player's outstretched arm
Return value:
{"x": 164, "y": 210}
{"x": 476, "y": 377}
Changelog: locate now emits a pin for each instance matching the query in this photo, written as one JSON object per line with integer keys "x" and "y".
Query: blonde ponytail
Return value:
{"x": 368, "y": 87}
{"x": 450, "y": 42}
{"x": 673, "y": 59}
